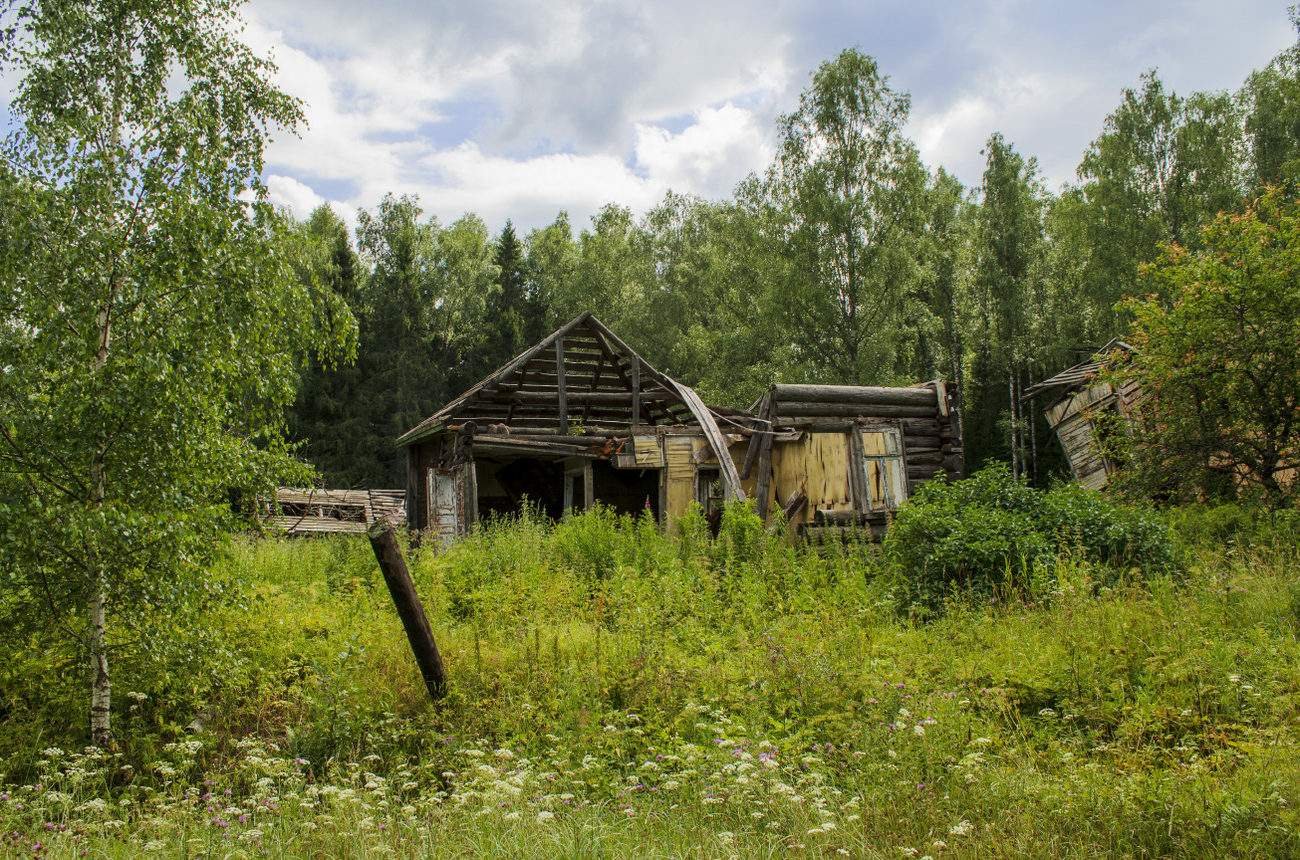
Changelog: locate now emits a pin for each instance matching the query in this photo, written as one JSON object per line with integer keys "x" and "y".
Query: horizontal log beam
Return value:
{"x": 614, "y": 398}
{"x": 853, "y": 394}
{"x": 810, "y": 409}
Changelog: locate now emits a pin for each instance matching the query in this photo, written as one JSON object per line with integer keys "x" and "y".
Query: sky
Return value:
{"x": 520, "y": 110}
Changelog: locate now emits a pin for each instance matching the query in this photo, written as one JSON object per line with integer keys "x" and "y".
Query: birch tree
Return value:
{"x": 852, "y": 189}
{"x": 153, "y": 323}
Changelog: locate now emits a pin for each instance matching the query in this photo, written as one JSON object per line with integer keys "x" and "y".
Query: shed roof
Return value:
{"x": 1080, "y": 374}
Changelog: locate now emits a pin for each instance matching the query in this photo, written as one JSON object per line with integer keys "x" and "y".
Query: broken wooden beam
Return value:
{"x": 383, "y": 540}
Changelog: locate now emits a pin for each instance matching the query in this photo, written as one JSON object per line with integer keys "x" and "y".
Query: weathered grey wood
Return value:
{"x": 858, "y": 473}
{"x": 383, "y": 540}
{"x": 796, "y": 503}
{"x": 560, "y": 393}
{"x": 853, "y": 394}
{"x": 567, "y": 439}
{"x": 581, "y": 398}
{"x": 433, "y": 422}
{"x": 718, "y": 442}
{"x": 606, "y": 427}
{"x": 471, "y": 493}
{"x": 809, "y": 409}
{"x": 636, "y": 389}
{"x": 763, "y": 483}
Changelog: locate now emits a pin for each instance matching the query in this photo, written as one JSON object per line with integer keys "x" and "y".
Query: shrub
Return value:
{"x": 991, "y": 536}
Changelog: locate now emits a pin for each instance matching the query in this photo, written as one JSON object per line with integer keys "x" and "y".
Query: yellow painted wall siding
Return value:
{"x": 819, "y": 465}
{"x": 828, "y": 471}
{"x": 680, "y": 475}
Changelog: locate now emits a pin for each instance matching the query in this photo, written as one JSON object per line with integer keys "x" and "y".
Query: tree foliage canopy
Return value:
{"x": 154, "y": 327}
{"x": 1221, "y": 361}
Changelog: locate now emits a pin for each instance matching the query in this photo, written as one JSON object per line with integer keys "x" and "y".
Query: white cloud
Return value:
{"x": 373, "y": 119}
{"x": 1015, "y": 104}
{"x": 520, "y": 110}
{"x": 707, "y": 157}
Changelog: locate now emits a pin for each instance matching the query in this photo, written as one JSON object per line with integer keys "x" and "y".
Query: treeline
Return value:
{"x": 847, "y": 261}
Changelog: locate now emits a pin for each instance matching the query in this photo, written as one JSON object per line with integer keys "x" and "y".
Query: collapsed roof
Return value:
{"x": 1080, "y": 374}
{"x": 582, "y": 379}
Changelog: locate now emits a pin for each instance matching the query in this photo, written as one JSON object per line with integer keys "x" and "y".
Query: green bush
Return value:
{"x": 991, "y": 536}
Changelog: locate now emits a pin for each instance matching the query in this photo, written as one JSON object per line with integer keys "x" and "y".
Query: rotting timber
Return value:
{"x": 580, "y": 418}
{"x": 1079, "y": 404}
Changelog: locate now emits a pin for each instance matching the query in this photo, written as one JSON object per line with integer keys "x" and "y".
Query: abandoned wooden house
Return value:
{"x": 1082, "y": 410}
{"x": 580, "y": 418}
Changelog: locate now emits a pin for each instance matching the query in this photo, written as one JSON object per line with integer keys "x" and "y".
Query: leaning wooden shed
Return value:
{"x": 580, "y": 418}
{"x": 1081, "y": 407}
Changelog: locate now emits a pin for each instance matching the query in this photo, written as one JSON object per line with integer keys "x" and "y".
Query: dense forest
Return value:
{"x": 847, "y": 261}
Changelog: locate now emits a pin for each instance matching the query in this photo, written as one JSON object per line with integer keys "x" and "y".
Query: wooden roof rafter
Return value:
{"x": 600, "y": 372}
{"x": 1080, "y": 374}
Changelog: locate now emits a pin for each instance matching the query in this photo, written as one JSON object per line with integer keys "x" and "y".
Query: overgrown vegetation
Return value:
{"x": 1221, "y": 363}
{"x": 616, "y": 690}
{"x": 991, "y": 535}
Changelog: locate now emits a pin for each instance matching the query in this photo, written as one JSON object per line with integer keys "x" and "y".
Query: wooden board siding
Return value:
{"x": 1072, "y": 419}
{"x": 818, "y": 466}
{"x": 317, "y": 511}
{"x": 648, "y": 452}
{"x": 679, "y": 475}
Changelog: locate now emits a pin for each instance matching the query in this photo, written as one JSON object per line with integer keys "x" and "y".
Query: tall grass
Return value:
{"x": 615, "y": 690}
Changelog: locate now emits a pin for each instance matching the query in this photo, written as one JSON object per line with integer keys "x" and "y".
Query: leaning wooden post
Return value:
{"x": 384, "y": 542}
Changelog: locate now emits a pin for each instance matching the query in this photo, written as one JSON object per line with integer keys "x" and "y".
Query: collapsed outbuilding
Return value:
{"x": 1082, "y": 409}
{"x": 580, "y": 418}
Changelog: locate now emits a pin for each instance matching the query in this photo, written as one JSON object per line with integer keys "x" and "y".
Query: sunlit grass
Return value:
{"x": 615, "y": 691}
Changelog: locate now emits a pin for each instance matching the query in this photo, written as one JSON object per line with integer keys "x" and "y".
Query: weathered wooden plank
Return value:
{"x": 795, "y": 504}
{"x": 853, "y": 394}
{"x": 755, "y": 442}
{"x": 857, "y": 473}
{"x": 636, "y": 389}
{"x": 316, "y": 525}
{"x": 561, "y": 394}
{"x": 726, "y": 468}
{"x": 431, "y": 424}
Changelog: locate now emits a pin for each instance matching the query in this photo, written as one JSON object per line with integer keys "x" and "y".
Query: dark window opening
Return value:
{"x": 503, "y": 487}
{"x": 627, "y": 491}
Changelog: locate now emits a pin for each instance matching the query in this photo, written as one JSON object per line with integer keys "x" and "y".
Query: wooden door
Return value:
{"x": 444, "y": 505}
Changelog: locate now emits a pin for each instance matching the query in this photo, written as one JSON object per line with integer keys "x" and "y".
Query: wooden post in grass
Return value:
{"x": 383, "y": 540}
